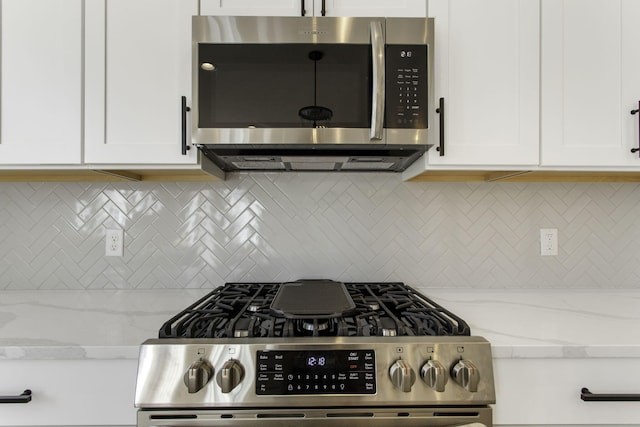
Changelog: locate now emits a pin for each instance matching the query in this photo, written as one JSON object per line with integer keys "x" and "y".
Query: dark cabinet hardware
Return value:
{"x": 587, "y": 396}
{"x": 440, "y": 111}
{"x": 25, "y": 397}
{"x": 303, "y": 12}
{"x": 633, "y": 112}
{"x": 185, "y": 110}
{"x": 323, "y": 11}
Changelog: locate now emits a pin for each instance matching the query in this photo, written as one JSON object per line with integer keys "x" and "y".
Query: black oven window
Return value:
{"x": 284, "y": 85}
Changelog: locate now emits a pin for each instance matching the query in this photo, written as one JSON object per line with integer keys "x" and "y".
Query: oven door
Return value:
{"x": 352, "y": 417}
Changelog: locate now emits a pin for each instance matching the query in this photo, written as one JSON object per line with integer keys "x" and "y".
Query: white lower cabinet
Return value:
{"x": 69, "y": 392}
{"x": 547, "y": 391}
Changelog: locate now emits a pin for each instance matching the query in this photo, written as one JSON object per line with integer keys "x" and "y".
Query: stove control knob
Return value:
{"x": 230, "y": 375}
{"x": 434, "y": 374}
{"x": 466, "y": 374}
{"x": 402, "y": 375}
{"x": 198, "y": 375}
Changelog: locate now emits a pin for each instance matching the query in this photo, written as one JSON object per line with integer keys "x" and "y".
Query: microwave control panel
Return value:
{"x": 406, "y": 86}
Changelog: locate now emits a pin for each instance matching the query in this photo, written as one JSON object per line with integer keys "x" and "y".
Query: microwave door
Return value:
{"x": 272, "y": 80}
{"x": 291, "y": 86}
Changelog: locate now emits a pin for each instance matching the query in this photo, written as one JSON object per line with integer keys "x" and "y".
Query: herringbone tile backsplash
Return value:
{"x": 351, "y": 227}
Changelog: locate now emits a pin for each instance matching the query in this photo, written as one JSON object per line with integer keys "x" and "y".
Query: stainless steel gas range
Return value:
{"x": 315, "y": 352}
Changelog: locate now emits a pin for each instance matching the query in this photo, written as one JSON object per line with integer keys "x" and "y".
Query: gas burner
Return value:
{"x": 238, "y": 310}
{"x": 315, "y": 325}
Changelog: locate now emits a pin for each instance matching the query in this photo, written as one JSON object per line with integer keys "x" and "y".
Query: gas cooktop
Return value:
{"x": 313, "y": 308}
{"x": 326, "y": 352}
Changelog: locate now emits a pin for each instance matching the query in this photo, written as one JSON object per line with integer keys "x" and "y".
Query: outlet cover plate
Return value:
{"x": 548, "y": 241}
{"x": 114, "y": 243}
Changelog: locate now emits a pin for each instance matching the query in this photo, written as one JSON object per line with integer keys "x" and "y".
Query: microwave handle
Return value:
{"x": 377, "y": 104}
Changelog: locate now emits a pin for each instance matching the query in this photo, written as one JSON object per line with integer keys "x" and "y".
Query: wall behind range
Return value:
{"x": 350, "y": 227}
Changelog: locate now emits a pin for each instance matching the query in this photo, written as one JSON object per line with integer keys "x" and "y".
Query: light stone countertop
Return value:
{"x": 111, "y": 324}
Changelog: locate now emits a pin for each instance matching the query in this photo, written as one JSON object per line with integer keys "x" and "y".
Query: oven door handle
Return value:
{"x": 377, "y": 103}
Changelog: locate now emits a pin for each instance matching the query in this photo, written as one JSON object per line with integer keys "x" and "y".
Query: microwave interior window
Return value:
{"x": 284, "y": 85}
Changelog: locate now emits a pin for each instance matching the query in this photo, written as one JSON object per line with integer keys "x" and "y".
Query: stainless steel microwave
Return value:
{"x": 312, "y": 93}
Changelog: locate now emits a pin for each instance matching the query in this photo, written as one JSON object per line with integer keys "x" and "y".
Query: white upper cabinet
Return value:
{"x": 256, "y": 7}
{"x": 41, "y": 82}
{"x": 487, "y": 70}
{"x": 396, "y": 8}
{"x": 314, "y": 7}
{"x": 138, "y": 66}
{"x": 590, "y": 83}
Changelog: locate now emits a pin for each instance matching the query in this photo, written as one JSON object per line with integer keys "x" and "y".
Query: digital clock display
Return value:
{"x": 319, "y": 361}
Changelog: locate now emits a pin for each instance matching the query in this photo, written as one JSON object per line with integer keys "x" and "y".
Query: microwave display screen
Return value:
{"x": 284, "y": 85}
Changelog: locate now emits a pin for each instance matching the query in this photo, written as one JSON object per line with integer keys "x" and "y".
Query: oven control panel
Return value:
{"x": 284, "y": 372}
{"x": 317, "y": 371}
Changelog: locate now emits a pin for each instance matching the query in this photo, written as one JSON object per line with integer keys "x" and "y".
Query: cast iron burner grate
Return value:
{"x": 238, "y": 310}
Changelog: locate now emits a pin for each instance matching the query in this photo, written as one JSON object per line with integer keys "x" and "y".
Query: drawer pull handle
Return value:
{"x": 185, "y": 110}
{"x": 633, "y": 112}
{"x": 25, "y": 397}
{"x": 440, "y": 112}
{"x": 587, "y": 396}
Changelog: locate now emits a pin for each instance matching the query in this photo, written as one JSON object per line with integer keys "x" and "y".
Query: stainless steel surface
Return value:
{"x": 269, "y": 157}
{"x": 315, "y": 417}
{"x": 198, "y": 375}
{"x": 349, "y": 370}
{"x": 163, "y": 362}
{"x": 466, "y": 374}
{"x": 477, "y": 417}
{"x": 282, "y": 29}
{"x": 237, "y": 30}
{"x": 230, "y": 376}
{"x": 377, "y": 106}
{"x": 434, "y": 374}
{"x": 402, "y": 375}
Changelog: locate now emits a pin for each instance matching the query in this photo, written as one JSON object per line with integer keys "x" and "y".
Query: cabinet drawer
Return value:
{"x": 69, "y": 392}
{"x": 547, "y": 391}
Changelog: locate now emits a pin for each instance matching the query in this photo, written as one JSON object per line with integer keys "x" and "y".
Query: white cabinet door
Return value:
{"x": 487, "y": 70}
{"x": 386, "y": 8}
{"x": 547, "y": 391}
{"x": 138, "y": 66}
{"x": 69, "y": 392}
{"x": 41, "y": 82}
{"x": 314, "y": 7}
{"x": 590, "y": 83}
{"x": 256, "y": 7}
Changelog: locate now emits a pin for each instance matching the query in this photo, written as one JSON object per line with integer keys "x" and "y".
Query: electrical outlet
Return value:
{"x": 548, "y": 241}
{"x": 114, "y": 243}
